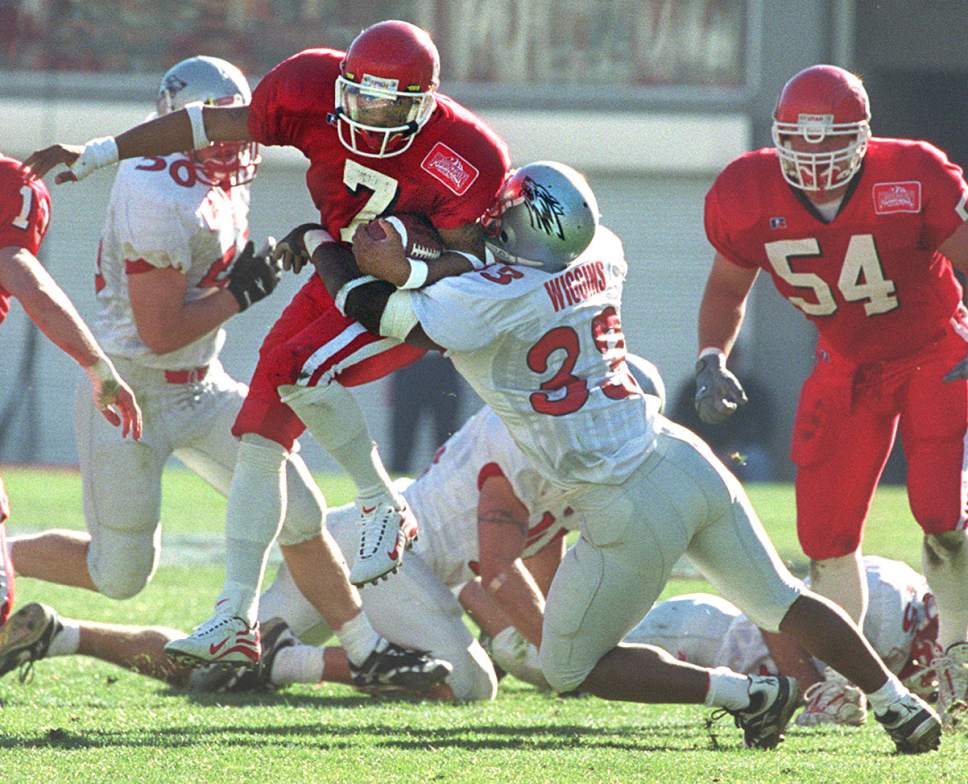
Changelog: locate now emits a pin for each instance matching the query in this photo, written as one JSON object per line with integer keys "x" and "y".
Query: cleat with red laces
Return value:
{"x": 386, "y": 530}
{"x": 833, "y": 701}
{"x": 222, "y": 639}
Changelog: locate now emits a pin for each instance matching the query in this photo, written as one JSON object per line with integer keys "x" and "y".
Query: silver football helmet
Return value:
{"x": 545, "y": 216}
{"x": 648, "y": 377}
{"x": 212, "y": 81}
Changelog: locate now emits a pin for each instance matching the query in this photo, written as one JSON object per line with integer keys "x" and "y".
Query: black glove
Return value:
{"x": 291, "y": 250}
{"x": 718, "y": 392}
{"x": 959, "y": 372}
{"x": 254, "y": 275}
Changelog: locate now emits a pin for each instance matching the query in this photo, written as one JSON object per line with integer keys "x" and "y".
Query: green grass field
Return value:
{"x": 79, "y": 720}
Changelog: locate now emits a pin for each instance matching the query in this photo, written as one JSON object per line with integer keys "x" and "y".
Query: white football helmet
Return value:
{"x": 212, "y": 81}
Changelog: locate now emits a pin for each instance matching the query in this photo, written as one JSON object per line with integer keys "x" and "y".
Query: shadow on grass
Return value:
{"x": 678, "y": 737}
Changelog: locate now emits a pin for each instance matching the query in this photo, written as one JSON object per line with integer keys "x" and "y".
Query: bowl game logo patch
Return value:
{"x": 445, "y": 165}
{"x": 892, "y": 197}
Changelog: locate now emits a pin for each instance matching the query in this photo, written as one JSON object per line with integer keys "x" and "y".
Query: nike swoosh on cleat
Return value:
{"x": 368, "y": 509}
{"x": 216, "y": 647}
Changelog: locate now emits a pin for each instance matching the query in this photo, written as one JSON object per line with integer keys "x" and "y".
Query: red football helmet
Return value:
{"x": 815, "y": 107}
{"x": 386, "y": 87}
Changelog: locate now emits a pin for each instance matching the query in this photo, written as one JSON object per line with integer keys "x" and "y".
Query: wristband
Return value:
{"x": 418, "y": 274}
{"x": 313, "y": 238}
{"x": 475, "y": 262}
{"x": 199, "y": 136}
{"x": 343, "y": 293}
{"x": 102, "y": 369}
{"x": 96, "y": 154}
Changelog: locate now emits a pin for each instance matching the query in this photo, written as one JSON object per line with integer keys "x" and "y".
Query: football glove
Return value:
{"x": 959, "y": 372}
{"x": 718, "y": 391}
{"x": 254, "y": 275}
{"x": 291, "y": 250}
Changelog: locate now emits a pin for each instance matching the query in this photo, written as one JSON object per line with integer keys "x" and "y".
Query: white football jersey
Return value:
{"x": 162, "y": 215}
{"x": 900, "y": 606}
{"x": 444, "y": 498}
{"x": 546, "y": 352}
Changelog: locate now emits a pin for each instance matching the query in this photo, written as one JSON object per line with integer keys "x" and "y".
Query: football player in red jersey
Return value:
{"x": 24, "y": 217}
{"x": 379, "y": 138}
{"x": 862, "y": 234}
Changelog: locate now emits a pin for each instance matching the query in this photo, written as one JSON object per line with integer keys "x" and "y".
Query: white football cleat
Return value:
{"x": 952, "y": 673}
{"x": 833, "y": 700}
{"x": 222, "y": 639}
{"x": 772, "y": 702}
{"x": 26, "y": 636}
{"x": 385, "y": 532}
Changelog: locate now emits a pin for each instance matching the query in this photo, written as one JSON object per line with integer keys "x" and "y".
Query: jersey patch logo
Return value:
{"x": 778, "y": 222}
{"x": 446, "y": 166}
{"x": 891, "y": 197}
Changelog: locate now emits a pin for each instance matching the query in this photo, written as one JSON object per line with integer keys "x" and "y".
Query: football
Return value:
{"x": 421, "y": 241}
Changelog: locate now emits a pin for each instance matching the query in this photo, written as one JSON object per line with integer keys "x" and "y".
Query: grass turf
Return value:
{"x": 80, "y": 720}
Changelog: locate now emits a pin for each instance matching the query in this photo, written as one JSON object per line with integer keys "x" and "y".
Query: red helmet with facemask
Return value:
{"x": 817, "y": 108}
{"x": 385, "y": 92}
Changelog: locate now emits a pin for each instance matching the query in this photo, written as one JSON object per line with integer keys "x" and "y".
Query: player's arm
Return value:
{"x": 385, "y": 258}
{"x": 187, "y": 129}
{"x": 718, "y": 391}
{"x": 368, "y": 300}
{"x": 23, "y": 276}
{"x": 544, "y": 563}
{"x": 166, "y": 322}
{"x": 502, "y": 532}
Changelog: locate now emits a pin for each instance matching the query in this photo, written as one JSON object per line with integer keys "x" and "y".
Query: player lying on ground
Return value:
{"x": 175, "y": 263}
{"x": 24, "y": 218}
{"x": 540, "y": 341}
{"x": 703, "y": 629}
{"x": 862, "y": 234}
{"x": 479, "y": 481}
{"x": 377, "y": 135}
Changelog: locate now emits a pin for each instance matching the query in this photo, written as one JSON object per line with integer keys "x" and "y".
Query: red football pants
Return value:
{"x": 845, "y": 427}
{"x": 313, "y": 343}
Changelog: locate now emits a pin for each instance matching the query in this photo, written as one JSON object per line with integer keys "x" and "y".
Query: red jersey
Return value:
{"x": 451, "y": 173}
{"x": 24, "y": 214}
{"x": 871, "y": 279}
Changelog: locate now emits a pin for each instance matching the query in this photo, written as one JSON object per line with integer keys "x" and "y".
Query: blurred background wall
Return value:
{"x": 649, "y": 97}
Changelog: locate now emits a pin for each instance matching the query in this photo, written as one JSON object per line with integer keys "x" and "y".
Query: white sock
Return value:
{"x": 727, "y": 689}
{"x": 256, "y": 507}
{"x": 67, "y": 640}
{"x": 358, "y": 638}
{"x": 843, "y": 581}
{"x": 298, "y": 664}
{"x": 333, "y": 416}
{"x": 887, "y": 695}
{"x": 945, "y": 561}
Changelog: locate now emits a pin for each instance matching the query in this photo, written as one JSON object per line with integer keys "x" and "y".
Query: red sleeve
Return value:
{"x": 24, "y": 208}
{"x": 299, "y": 91}
{"x": 723, "y": 223}
{"x": 945, "y": 196}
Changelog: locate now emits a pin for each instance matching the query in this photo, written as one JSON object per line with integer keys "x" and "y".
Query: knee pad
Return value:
{"x": 561, "y": 678}
{"x": 122, "y": 563}
{"x": 473, "y": 678}
{"x": 943, "y": 547}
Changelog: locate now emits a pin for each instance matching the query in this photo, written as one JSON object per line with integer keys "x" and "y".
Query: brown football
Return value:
{"x": 421, "y": 241}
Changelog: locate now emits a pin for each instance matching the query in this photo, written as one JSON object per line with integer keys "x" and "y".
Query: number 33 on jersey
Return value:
{"x": 870, "y": 279}
{"x": 547, "y": 353}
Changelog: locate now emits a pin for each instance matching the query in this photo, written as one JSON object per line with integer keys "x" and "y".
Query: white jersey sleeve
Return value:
{"x": 162, "y": 214}
{"x": 547, "y": 353}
